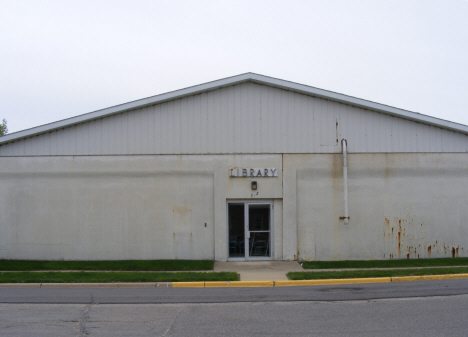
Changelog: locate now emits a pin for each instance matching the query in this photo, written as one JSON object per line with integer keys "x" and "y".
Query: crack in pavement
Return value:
{"x": 84, "y": 317}
{"x": 166, "y": 333}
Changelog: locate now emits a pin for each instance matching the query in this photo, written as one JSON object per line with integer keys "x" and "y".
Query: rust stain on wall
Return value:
{"x": 405, "y": 237}
{"x": 399, "y": 238}
{"x": 387, "y": 227}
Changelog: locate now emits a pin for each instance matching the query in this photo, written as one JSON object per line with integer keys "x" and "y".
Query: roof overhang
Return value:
{"x": 248, "y": 77}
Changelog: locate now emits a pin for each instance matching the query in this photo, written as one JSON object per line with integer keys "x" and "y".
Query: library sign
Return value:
{"x": 252, "y": 172}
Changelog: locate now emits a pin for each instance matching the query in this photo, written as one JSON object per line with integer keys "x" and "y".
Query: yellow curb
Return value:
{"x": 188, "y": 284}
{"x": 428, "y": 277}
{"x": 332, "y": 281}
{"x": 239, "y": 284}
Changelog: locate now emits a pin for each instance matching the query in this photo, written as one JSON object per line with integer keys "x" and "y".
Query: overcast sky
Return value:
{"x": 60, "y": 59}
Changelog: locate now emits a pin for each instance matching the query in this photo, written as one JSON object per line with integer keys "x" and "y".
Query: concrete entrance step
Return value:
{"x": 259, "y": 270}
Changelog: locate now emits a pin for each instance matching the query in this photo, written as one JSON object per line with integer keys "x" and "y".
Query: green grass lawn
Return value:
{"x": 105, "y": 277}
{"x": 317, "y": 275}
{"x": 459, "y": 261}
{"x": 125, "y": 265}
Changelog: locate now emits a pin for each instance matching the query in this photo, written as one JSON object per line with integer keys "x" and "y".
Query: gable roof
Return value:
{"x": 248, "y": 77}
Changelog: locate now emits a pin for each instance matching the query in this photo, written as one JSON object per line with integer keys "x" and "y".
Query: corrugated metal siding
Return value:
{"x": 244, "y": 118}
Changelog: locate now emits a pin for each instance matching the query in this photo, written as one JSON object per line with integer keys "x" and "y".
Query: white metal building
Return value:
{"x": 247, "y": 167}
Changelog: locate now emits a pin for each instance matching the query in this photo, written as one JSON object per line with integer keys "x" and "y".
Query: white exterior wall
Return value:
{"x": 399, "y": 205}
{"x": 155, "y": 207}
{"x": 126, "y": 207}
{"x": 245, "y": 118}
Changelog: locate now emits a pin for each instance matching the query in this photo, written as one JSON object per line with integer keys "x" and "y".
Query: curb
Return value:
{"x": 428, "y": 277}
{"x": 188, "y": 284}
{"x": 332, "y": 281}
{"x": 240, "y": 284}
{"x": 88, "y": 285}
{"x": 230, "y": 284}
{"x": 217, "y": 284}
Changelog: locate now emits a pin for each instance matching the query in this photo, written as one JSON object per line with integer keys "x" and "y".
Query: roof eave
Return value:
{"x": 361, "y": 103}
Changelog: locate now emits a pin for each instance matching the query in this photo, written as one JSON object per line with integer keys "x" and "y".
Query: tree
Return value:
{"x": 3, "y": 128}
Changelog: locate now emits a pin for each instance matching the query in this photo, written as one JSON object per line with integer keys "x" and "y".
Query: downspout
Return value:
{"x": 345, "y": 181}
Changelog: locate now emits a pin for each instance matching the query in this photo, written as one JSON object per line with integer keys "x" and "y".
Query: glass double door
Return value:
{"x": 249, "y": 227}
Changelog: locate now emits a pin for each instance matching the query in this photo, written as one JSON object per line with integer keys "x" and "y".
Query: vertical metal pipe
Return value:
{"x": 345, "y": 180}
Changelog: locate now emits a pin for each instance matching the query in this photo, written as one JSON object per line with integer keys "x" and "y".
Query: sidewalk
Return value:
{"x": 259, "y": 270}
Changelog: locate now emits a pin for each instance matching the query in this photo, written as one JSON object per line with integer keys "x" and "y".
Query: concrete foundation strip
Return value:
{"x": 217, "y": 284}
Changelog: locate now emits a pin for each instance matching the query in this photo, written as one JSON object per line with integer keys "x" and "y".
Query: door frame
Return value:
{"x": 246, "y": 203}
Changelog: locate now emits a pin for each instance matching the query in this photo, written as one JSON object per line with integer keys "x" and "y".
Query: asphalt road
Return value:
{"x": 428, "y": 308}
{"x": 223, "y": 295}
